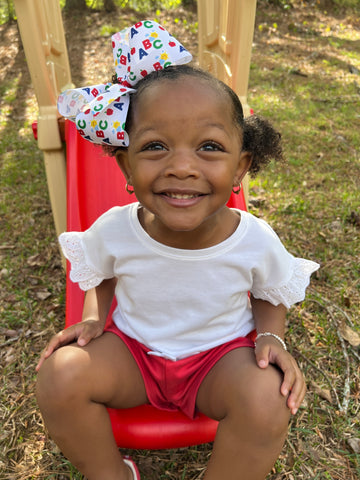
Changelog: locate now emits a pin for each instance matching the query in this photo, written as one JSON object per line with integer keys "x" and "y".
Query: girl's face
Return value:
{"x": 183, "y": 159}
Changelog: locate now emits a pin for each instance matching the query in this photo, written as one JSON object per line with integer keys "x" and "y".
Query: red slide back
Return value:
{"x": 95, "y": 183}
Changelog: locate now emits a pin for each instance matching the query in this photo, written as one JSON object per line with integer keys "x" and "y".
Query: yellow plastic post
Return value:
{"x": 226, "y": 30}
{"x": 43, "y": 38}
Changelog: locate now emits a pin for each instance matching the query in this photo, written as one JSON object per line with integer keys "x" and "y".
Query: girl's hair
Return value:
{"x": 259, "y": 137}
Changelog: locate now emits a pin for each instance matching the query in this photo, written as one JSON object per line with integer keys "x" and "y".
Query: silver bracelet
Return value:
{"x": 269, "y": 334}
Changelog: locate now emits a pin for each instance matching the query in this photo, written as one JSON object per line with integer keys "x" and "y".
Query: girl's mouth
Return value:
{"x": 181, "y": 199}
{"x": 182, "y": 196}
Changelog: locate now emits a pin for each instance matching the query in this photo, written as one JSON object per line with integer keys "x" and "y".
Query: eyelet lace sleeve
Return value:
{"x": 81, "y": 272}
{"x": 293, "y": 290}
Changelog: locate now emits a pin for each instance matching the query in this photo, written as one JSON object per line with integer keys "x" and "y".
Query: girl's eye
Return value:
{"x": 153, "y": 146}
{"x": 211, "y": 147}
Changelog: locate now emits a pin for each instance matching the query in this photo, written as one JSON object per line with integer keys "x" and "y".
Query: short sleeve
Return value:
{"x": 294, "y": 288}
{"x": 90, "y": 254}
{"x": 278, "y": 276}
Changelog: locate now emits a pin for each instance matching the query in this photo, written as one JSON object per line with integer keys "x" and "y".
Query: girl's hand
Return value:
{"x": 82, "y": 332}
{"x": 269, "y": 350}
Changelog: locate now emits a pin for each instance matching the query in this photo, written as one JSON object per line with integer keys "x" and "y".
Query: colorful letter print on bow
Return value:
{"x": 100, "y": 111}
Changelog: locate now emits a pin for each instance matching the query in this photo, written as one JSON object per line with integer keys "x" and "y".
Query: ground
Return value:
{"x": 305, "y": 78}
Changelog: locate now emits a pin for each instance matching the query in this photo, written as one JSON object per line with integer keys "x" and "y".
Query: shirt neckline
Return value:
{"x": 168, "y": 251}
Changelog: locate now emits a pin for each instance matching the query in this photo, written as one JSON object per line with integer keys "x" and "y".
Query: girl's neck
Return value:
{"x": 209, "y": 235}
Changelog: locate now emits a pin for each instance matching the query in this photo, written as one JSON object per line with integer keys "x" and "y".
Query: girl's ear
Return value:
{"x": 243, "y": 166}
{"x": 122, "y": 160}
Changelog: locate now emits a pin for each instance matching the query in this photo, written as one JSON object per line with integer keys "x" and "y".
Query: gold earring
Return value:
{"x": 237, "y": 188}
{"x": 128, "y": 189}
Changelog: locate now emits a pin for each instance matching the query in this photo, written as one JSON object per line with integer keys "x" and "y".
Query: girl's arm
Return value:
{"x": 96, "y": 308}
{"x": 269, "y": 318}
{"x": 98, "y": 301}
{"x": 97, "y": 304}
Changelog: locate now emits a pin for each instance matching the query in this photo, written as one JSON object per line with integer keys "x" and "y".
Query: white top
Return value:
{"x": 181, "y": 302}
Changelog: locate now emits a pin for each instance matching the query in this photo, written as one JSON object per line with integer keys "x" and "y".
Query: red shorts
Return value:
{"x": 174, "y": 385}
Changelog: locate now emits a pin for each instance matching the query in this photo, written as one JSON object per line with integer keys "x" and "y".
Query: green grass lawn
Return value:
{"x": 305, "y": 78}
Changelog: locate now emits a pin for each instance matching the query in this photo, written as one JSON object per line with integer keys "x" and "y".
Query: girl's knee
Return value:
{"x": 58, "y": 377}
{"x": 267, "y": 407}
{"x": 259, "y": 403}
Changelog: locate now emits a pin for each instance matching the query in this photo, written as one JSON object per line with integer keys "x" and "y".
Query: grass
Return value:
{"x": 301, "y": 79}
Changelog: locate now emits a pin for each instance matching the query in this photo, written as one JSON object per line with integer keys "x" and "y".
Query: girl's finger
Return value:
{"x": 262, "y": 356}
{"x": 91, "y": 330}
{"x": 84, "y": 338}
{"x": 294, "y": 386}
{"x": 49, "y": 349}
{"x": 40, "y": 362}
{"x": 297, "y": 396}
{"x": 62, "y": 338}
{"x": 288, "y": 382}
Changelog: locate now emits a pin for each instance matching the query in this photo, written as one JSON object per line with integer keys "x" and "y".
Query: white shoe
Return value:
{"x": 130, "y": 463}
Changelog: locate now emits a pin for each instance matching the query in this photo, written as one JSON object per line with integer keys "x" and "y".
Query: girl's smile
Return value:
{"x": 181, "y": 199}
{"x": 183, "y": 159}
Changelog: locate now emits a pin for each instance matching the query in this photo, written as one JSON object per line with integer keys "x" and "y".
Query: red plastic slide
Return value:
{"x": 94, "y": 184}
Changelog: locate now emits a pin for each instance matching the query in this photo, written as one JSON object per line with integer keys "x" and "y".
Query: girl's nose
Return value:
{"x": 182, "y": 164}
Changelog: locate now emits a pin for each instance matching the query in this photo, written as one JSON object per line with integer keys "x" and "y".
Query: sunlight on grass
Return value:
{"x": 301, "y": 80}
{"x": 135, "y": 4}
{"x": 108, "y": 30}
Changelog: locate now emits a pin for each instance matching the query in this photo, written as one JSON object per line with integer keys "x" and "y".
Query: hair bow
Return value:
{"x": 100, "y": 111}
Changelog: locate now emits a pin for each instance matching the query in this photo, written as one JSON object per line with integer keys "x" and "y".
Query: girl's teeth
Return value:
{"x": 180, "y": 196}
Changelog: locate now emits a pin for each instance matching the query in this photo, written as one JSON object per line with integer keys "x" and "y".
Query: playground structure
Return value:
{"x": 78, "y": 198}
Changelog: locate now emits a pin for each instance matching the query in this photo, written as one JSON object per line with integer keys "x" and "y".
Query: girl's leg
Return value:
{"x": 73, "y": 387}
{"x": 253, "y": 416}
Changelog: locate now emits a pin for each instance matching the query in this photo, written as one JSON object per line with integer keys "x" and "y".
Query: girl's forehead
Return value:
{"x": 172, "y": 105}
{"x": 183, "y": 89}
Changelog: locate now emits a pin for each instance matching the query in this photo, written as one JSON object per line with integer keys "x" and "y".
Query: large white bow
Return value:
{"x": 100, "y": 111}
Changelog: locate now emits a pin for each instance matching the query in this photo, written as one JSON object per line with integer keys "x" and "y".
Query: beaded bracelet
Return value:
{"x": 269, "y": 334}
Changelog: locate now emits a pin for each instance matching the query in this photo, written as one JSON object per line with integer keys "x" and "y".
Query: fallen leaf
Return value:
{"x": 10, "y": 356}
{"x": 354, "y": 444}
{"x": 43, "y": 294}
{"x": 8, "y": 333}
{"x": 4, "y": 272}
{"x": 10, "y": 298}
{"x": 349, "y": 335}
{"x": 35, "y": 261}
{"x": 322, "y": 392}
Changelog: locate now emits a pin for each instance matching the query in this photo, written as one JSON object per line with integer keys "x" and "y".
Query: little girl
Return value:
{"x": 192, "y": 278}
